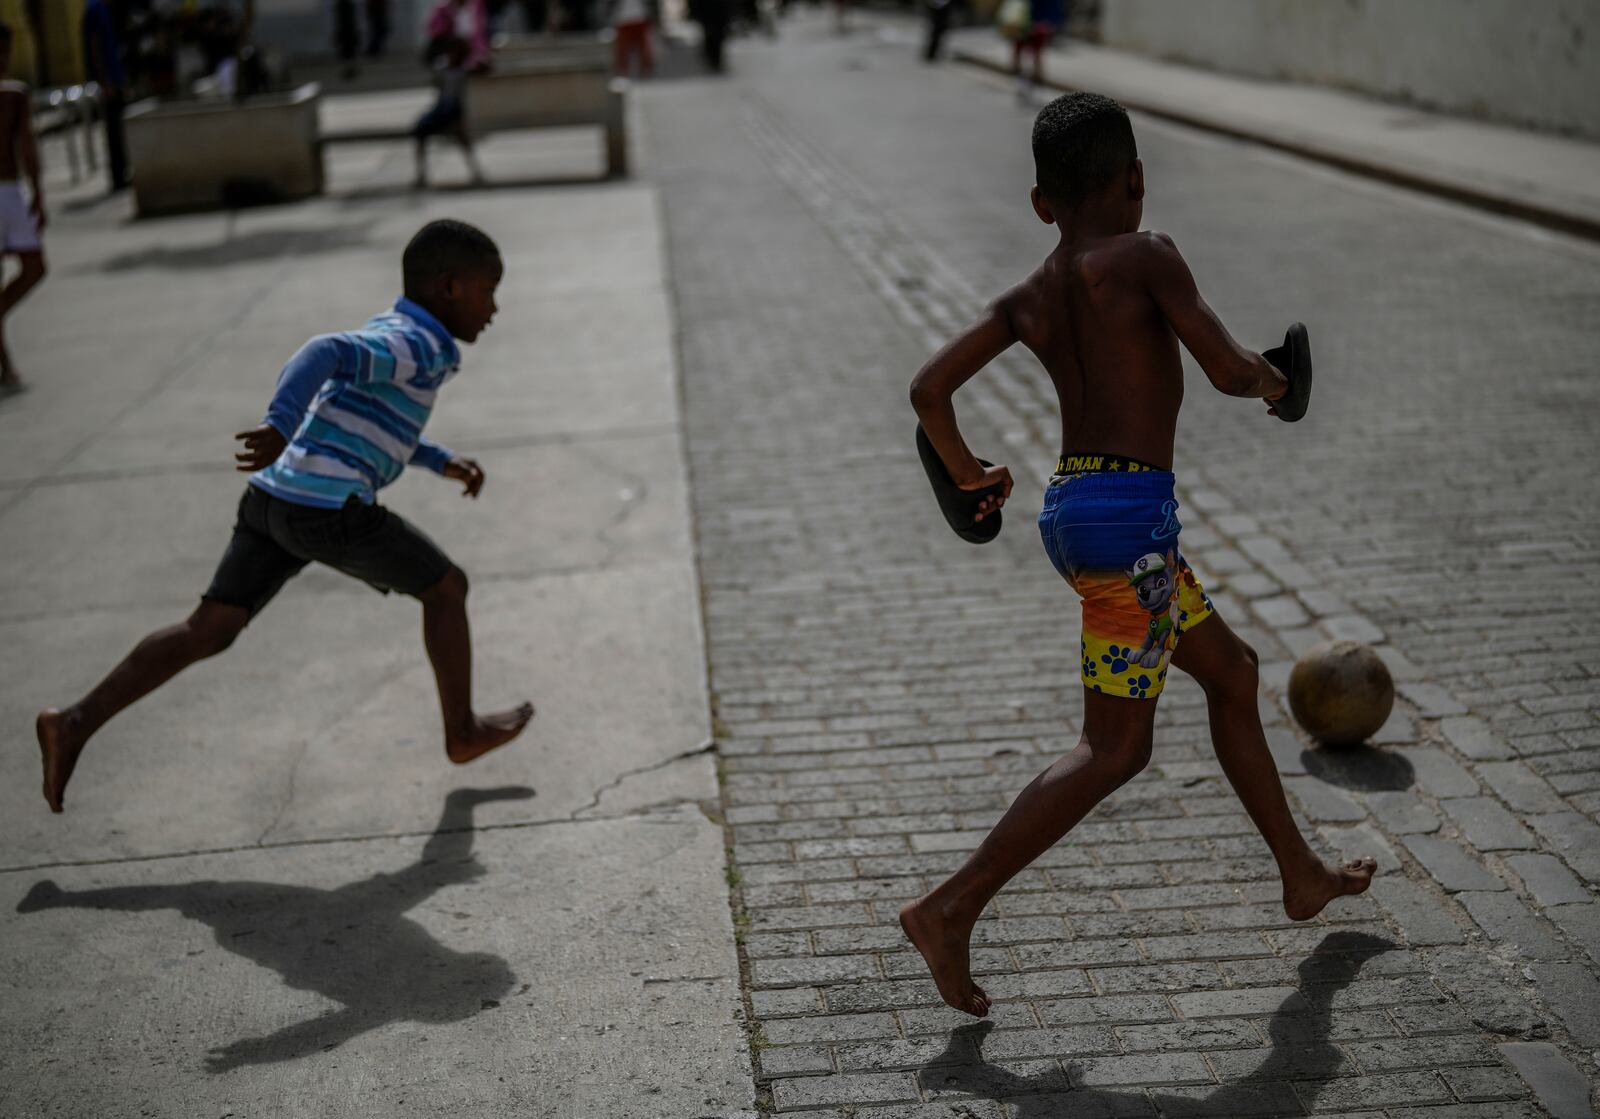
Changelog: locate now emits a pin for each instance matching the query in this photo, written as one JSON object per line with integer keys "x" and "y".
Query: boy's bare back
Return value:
{"x": 1088, "y": 316}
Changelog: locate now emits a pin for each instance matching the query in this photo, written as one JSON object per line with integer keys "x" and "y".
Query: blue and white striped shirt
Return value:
{"x": 352, "y": 406}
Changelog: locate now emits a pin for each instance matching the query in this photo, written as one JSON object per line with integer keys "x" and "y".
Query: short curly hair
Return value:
{"x": 1081, "y": 142}
{"x": 444, "y": 246}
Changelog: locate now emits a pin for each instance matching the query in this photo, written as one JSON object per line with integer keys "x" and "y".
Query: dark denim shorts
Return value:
{"x": 274, "y": 539}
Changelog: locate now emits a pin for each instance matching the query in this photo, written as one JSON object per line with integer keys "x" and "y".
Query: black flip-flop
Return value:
{"x": 1293, "y": 360}
{"x": 959, "y": 506}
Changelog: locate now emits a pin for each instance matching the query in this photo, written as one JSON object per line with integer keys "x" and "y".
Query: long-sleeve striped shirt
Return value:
{"x": 352, "y": 406}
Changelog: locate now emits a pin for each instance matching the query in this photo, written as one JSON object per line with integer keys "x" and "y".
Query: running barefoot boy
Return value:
{"x": 1105, "y": 313}
{"x": 21, "y": 219}
{"x": 345, "y": 420}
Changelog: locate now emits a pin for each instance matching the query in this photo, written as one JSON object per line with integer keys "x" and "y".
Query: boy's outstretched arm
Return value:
{"x": 934, "y": 386}
{"x": 320, "y": 360}
{"x": 1233, "y": 369}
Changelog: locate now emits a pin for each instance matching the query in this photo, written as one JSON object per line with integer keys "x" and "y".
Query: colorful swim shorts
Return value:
{"x": 1110, "y": 527}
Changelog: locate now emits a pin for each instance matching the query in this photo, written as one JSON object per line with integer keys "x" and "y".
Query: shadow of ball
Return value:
{"x": 1341, "y": 692}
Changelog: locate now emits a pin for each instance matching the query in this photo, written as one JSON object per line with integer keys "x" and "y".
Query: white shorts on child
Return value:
{"x": 19, "y": 233}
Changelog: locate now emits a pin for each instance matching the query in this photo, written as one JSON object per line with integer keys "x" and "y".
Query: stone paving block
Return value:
{"x": 1423, "y": 919}
{"x": 1281, "y": 612}
{"x": 1375, "y": 1091}
{"x": 1108, "y": 1009}
{"x": 1211, "y": 1033}
{"x": 1468, "y": 1111}
{"x": 1400, "y": 1054}
{"x": 1487, "y": 825}
{"x": 1157, "y": 977}
{"x": 1238, "y": 1101}
{"x": 818, "y": 1091}
{"x": 850, "y": 998}
{"x": 1144, "y": 1069}
{"x": 782, "y": 1001}
{"x": 812, "y": 970}
{"x": 1206, "y": 946}
{"x": 942, "y": 1020}
{"x": 1287, "y": 750}
{"x": 1234, "y": 1004}
{"x": 1072, "y": 1042}
{"x": 1474, "y": 738}
{"x": 1438, "y": 773}
{"x": 1402, "y": 813}
{"x": 1451, "y": 866}
{"x": 1575, "y": 838}
{"x": 1322, "y": 801}
{"x": 1421, "y": 1021}
{"x": 1281, "y": 1062}
{"x": 1573, "y": 991}
{"x": 1431, "y": 700}
{"x": 1581, "y": 923}
{"x": 1478, "y": 1084}
{"x": 967, "y": 1109}
{"x": 1361, "y": 841}
{"x": 1352, "y": 627}
{"x": 1548, "y": 880}
{"x": 993, "y": 1079}
{"x": 1520, "y": 787}
{"x": 1506, "y": 919}
{"x": 1560, "y": 1085}
{"x": 1399, "y": 729}
{"x": 1036, "y": 984}
{"x": 830, "y": 1027}
{"x": 794, "y": 1060}
{"x": 904, "y": 1054}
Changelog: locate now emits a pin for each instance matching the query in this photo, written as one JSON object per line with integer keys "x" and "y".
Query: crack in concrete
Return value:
{"x": 709, "y": 746}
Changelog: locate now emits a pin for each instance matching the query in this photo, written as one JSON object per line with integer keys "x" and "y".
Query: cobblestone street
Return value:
{"x": 882, "y": 690}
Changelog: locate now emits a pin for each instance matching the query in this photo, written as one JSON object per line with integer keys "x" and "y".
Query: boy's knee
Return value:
{"x": 213, "y": 630}
{"x": 449, "y": 591}
{"x": 1125, "y": 759}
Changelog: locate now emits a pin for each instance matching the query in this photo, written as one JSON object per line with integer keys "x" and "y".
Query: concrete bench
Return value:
{"x": 200, "y": 154}
{"x": 534, "y": 91}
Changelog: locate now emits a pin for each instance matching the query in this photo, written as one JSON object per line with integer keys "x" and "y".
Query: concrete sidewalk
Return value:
{"x": 1542, "y": 178}
{"x": 271, "y": 894}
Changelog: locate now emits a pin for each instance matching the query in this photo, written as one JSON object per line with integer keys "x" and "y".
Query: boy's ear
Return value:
{"x": 1136, "y": 181}
{"x": 1041, "y": 205}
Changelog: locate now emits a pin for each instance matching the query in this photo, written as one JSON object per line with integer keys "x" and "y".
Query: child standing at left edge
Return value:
{"x": 345, "y": 420}
{"x": 21, "y": 219}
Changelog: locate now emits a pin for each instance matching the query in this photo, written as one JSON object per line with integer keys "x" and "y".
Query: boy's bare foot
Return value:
{"x": 60, "y": 743}
{"x": 488, "y": 732}
{"x": 1305, "y": 896}
{"x": 944, "y": 950}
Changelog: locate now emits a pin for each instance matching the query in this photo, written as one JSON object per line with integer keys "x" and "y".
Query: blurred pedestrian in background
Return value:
{"x": 346, "y": 35}
{"x": 21, "y": 219}
{"x": 377, "y": 27}
{"x": 630, "y": 19}
{"x": 448, "y": 55}
{"x": 102, "y": 60}
{"x": 466, "y": 20}
{"x": 713, "y": 17}
{"x": 1030, "y": 25}
{"x": 939, "y": 13}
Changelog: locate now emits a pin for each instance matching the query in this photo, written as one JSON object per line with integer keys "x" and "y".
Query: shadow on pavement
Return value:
{"x": 263, "y": 244}
{"x": 352, "y": 944}
{"x": 1367, "y": 768}
{"x": 1301, "y": 1050}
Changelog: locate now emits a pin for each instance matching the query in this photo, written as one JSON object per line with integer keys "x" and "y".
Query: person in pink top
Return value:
{"x": 467, "y": 20}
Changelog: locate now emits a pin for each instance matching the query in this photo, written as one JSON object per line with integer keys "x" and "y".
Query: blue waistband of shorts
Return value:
{"x": 1138, "y": 485}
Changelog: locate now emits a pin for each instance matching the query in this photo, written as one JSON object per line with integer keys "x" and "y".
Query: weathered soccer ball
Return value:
{"x": 1341, "y": 692}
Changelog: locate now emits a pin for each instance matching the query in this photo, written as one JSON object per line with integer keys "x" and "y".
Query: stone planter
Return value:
{"x": 207, "y": 155}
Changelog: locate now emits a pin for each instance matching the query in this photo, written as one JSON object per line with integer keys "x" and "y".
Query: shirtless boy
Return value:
{"x": 21, "y": 218}
{"x": 345, "y": 420}
{"x": 1105, "y": 314}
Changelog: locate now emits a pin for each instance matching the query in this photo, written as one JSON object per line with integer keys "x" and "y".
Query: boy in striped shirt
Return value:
{"x": 346, "y": 419}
